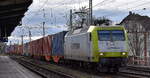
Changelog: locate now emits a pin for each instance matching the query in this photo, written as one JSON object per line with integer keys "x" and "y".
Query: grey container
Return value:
{"x": 26, "y": 49}
{"x": 58, "y": 44}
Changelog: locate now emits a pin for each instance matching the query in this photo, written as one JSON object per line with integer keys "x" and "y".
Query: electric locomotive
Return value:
{"x": 94, "y": 46}
{"x": 107, "y": 47}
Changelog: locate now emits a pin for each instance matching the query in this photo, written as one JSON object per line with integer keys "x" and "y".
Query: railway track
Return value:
{"x": 44, "y": 68}
{"x": 132, "y": 75}
{"x": 42, "y": 71}
{"x": 136, "y": 72}
{"x": 40, "y": 67}
{"x": 143, "y": 69}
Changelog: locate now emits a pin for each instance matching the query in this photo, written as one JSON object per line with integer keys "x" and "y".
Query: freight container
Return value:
{"x": 35, "y": 48}
{"x": 58, "y": 45}
{"x": 8, "y": 49}
{"x": 20, "y": 49}
{"x": 31, "y": 47}
{"x": 26, "y": 49}
{"x": 47, "y": 47}
{"x": 13, "y": 49}
{"x": 39, "y": 47}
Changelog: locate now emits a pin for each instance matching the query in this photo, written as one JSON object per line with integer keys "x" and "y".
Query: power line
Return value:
{"x": 61, "y": 3}
{"x": 116, "y": 6}
{"x": 129, "y": 8}
{"x": 126, "y": 4}
{"x": 43, "y": 7}
{"x": 140, "y": 5}
{"x": 100, "y": 3}
{"x": 38, "y": 10}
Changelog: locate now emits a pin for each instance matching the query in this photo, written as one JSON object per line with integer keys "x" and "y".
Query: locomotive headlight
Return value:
{"x": 101, "y": 54}
{"x": 123, "y": 53}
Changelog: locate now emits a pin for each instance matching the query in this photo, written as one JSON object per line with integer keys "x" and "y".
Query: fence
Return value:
{"x": 138, "y": 60}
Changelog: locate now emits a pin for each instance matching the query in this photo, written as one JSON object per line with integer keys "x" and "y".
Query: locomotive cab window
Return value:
{"x": 104, "y": 35}
{"x": 118, "y": 35}
{"x": 111, "y": 35}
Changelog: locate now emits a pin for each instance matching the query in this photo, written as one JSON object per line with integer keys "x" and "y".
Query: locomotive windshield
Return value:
{"x": 111, "y": 35}
{"x": 104, "y": 35}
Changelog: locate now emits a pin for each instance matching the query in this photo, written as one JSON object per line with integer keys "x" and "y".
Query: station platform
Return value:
{"x": 11, "y": 69}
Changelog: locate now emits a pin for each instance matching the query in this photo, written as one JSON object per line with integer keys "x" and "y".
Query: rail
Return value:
{"x": 42, "y": 71}
{"x": 128, "y": 72}
{"x": 136, "y": 72}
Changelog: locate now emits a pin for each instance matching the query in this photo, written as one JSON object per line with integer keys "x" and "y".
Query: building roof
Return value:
{"x": 143, "y": 20}
{"x": 11, "y": 13}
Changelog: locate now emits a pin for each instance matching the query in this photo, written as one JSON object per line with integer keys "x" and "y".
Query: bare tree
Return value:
{"x": 102, "y": 21}
{"x": 136, "y": 35}
{"x": 80, "y": 18}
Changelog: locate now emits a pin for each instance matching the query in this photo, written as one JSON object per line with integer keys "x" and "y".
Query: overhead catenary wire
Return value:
{"x": 94, "y": 5}
{"x": 129, "y": 9}
{"x": 63, "y": 4}
{"x": 34, "y": 14}
{"x": 100, "y": 3}
{"x": 104, "y": 1}
{"x": 121, "y": 5}
{"x": 128, "y": 3}
{"x": 42, "y": 8}
{"x": 46, "y": 1}
{"x": 140, "y": 5}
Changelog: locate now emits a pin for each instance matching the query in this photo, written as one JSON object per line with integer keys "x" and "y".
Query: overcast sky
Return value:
{"x": 57, "y": 14}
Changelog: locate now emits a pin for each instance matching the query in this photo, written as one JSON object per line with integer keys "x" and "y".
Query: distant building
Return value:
{"x": 132, "y": 21}
{"x": 138, "y": 28}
